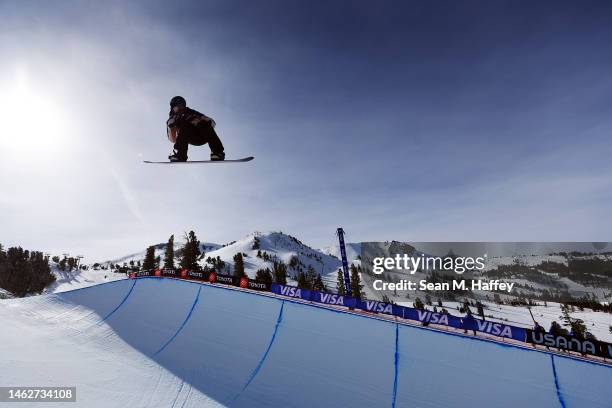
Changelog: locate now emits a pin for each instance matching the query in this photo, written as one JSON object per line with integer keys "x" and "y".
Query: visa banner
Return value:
{"x": 374, "y": 306}
{"x": 429, "y": 317}
{"x": 291, "y": 291}
{"x": 334, "y": 299}
{"x": 501, "y": 330}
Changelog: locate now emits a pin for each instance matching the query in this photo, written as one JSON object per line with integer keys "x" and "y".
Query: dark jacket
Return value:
{"x": 188, "y": 118}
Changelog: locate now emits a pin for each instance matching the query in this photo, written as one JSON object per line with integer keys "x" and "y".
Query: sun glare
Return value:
{"x": 31, "y": 122}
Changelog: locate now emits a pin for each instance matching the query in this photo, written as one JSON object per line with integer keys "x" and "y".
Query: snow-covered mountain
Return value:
{"x": 533, "y": 275}
{"x": 160, "y": 249}
{"x": 297, "y": 255}
{"x": 279, "y": 246}
{"x": 353, "y": 251}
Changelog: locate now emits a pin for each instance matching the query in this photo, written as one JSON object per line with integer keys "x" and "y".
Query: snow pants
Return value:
{"x": 198, "y": 136}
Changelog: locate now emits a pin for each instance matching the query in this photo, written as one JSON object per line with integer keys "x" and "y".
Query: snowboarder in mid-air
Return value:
{"x": 186, "y": 126}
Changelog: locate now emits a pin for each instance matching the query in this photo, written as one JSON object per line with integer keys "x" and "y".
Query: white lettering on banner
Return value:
{"x": 561, "y": 342}
{"x": 332, "y": 299}
{"x": 291, "y": 291}
{"x": 378, "y": 307}
{"x": 436, "y": 318}
{"x": 496, "y": 329}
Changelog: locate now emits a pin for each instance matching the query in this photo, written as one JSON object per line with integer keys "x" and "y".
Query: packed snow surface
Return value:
{"x": 79, "y": 278}
{"x": 158, "y": 342}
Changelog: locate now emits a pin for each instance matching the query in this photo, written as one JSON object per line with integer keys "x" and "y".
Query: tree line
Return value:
{"x": 23, "y": 272}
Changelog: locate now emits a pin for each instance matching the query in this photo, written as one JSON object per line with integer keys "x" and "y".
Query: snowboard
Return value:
{"x": 244, "y": 159}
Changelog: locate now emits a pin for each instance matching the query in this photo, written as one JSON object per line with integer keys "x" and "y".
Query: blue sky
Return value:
{"x": 399, "y": 120}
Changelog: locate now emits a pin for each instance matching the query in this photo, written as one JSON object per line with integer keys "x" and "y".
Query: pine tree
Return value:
{"x": 311, "y": 275}
{"x": 418, "y": 304}
{"x": 340, "y": 283}
{"x": 356, "y": 286}
{"x": 239, "y": 266}
{"x": 318, "y": 284}
{"x": 169, "y": 254}
{"x": 219, "y": 263}
{"x": 191, "y": 253}
{"x": 579, "y": 329}
{"x": 149, "y": 260}
{"x": 280, "y": 272}
{"x": 302, "y": 281}
{"x": 264, "y": 275}
{"x": 23, "y": 272}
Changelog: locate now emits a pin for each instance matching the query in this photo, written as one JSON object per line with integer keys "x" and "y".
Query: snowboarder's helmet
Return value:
{"x": 178, "y": 101}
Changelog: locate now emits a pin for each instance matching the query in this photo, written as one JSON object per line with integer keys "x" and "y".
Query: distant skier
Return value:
{"x": 186, "y": 126}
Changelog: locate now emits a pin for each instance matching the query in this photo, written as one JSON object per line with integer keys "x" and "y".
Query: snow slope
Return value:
{"x": 76, "y": 279}
{"x": 5, "y": 294}
{"x": 353, "y": 250}
{"x": 159, "y": 342}
{"x": 278, "y": 245}
{"x": 283, "y": 247}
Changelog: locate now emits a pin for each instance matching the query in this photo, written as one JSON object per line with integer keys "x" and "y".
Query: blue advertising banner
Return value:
{"x": 375, "y": 306}
{"x": 501, "y": 330}
{"x": 334, "y": 299}
{"x": 426, "y": 316}
{"x": 291, "y": 291}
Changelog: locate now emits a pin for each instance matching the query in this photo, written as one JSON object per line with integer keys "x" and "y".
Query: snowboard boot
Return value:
{"x": 177, "y": 157}
{"x": 217, "y": 156}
